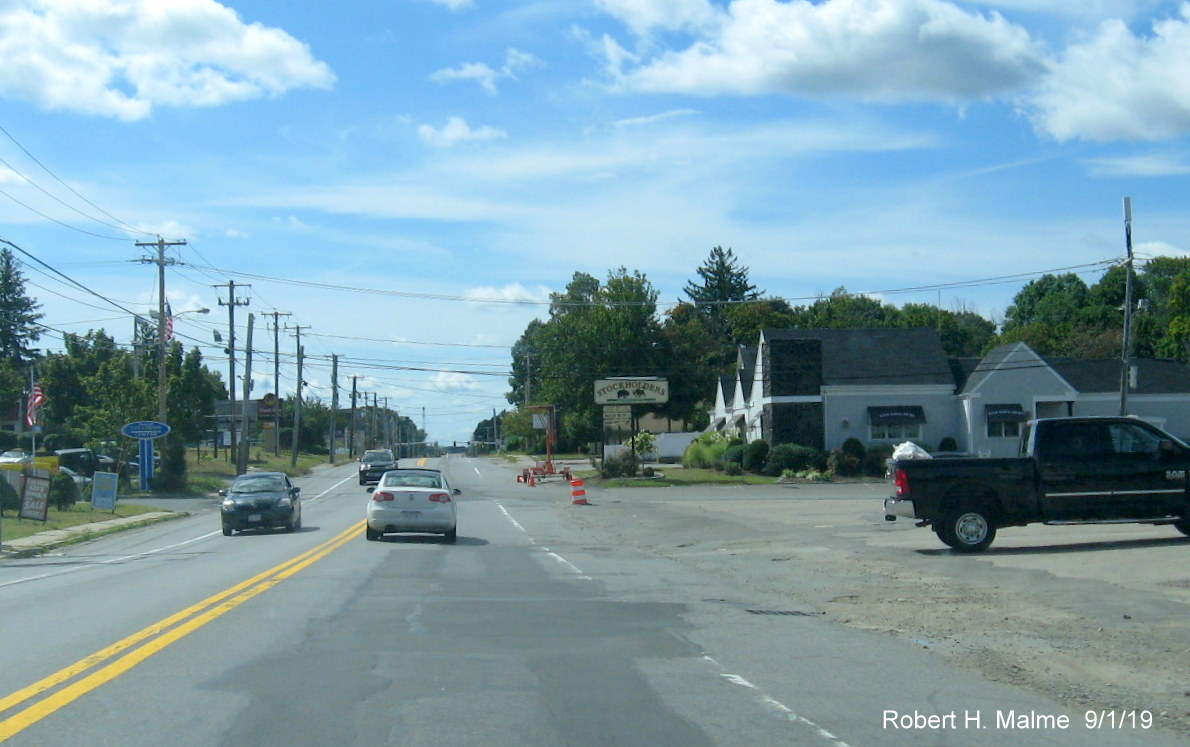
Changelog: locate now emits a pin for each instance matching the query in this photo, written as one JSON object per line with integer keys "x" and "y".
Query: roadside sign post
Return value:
{"x": 145, "y": 431}
{"x": 104, "y": 486}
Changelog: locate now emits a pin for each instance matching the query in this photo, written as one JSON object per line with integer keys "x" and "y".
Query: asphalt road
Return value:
{"x": 545, "y": 624}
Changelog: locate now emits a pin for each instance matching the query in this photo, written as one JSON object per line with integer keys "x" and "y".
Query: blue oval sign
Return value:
{"x": 145, "y": 429}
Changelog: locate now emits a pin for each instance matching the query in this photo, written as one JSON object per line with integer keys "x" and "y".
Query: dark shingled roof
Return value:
{"x": 876, "y": 356}
{"x": 1153, "y": 376}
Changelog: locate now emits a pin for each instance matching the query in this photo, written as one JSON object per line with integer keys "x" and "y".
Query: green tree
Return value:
{"x": 722, "y": 282}
{"x": 845, "y": 310}
{"x": 19, "y": 317}
{"x": 595, "y": 330}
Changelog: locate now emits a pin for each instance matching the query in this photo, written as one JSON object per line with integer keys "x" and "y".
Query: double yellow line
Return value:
{"x": 129, "y": 652}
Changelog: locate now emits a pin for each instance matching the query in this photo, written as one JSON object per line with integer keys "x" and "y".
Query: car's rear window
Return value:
{"x": 257, "y": 485}
{"x": 412, "y": 480}
{"x": 378, "y": 456}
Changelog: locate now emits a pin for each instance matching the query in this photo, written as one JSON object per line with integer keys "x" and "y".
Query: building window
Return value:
{"x": 1004, "y": 429}
{"x": 896, "y": 432}
{"x": 1004, "y": 421}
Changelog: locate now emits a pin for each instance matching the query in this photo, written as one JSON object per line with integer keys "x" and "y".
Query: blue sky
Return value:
{"x": 411, "y": 178}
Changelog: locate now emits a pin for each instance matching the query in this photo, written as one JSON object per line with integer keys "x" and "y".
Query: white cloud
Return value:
{"x": 884, "y": 50}
{"x": 455, "y": 5}
{"x": 645, "y": 16}
{"x": 1150, "y": 164}
{"x": 512, "y": 293}
{"x": 655, "y": 118}
{"x": 451, "y": 381}
{"x": 1117, "y": 85}
{"x": 120, "y": 58}
{"x": 455, "y": 131}
{"x": 486, "y": 76}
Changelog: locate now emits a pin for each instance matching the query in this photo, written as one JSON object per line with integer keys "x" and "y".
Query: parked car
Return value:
{"x": 412, "y": 500}
{"x": 374, "y": 463}
{"x": 261, "y": 500}
{"x": 1087, "y": 470}
{"x": 16, "y": 456}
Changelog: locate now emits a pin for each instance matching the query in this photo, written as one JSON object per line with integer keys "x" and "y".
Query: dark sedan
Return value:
{"x": 261, "y": 500}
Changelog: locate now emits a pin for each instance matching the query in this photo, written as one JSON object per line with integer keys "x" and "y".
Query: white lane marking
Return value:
{"x": 144, "y": 554}
{"x": 778, "y": 706}
{"x": 340, "y": 482}
{"x": 111, "y": 561}
{"x": 574, "y": 568}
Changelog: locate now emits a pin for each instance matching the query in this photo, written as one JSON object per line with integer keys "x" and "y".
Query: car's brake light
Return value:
{"x": 901, "y": 480}
{"x": 381, "y": 495}
{"x": 439, "y": 497}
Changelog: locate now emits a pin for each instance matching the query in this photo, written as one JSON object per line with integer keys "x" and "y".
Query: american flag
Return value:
{"x": 169, "y": 322}
{"x": 36, "y": 400}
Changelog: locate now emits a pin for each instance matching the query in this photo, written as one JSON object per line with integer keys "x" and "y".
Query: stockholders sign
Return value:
{"x": 626, "y": 391}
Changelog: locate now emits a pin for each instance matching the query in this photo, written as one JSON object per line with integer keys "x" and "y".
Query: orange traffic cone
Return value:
{"x": 532, "y": 479}
{"x": 578, "y": 493}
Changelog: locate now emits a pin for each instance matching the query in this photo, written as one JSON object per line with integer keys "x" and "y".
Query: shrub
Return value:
{"x": 755, "y": 455}
{"x": 734, "y": 455}
{"x": 10, "y": 500}
{"x": 707, "y": 450}
{"x": 874, "y": 462}
{"x": 647, "y": 472}
{"x": 948, "y": 444}
{"x": 696, "y": 456}
{"x": 793, "y": 457}
{"x": 64, "y": 493}
{"x": 620, "y": 465}
{"x": 733, "y": 469}
{"x": 853, "y": 447}
{"x": 841, "y": 463}
{"x": 644, "y": 444}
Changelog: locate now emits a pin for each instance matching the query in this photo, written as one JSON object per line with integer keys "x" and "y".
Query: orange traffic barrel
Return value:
{"x": 578, "y": 493}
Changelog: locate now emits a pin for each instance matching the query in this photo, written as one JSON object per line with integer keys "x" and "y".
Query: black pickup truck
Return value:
{"x": 1088, "y": 470}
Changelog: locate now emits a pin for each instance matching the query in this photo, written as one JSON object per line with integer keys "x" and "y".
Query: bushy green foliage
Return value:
{"x": 733, "y": 468}
{"x": 755, "y": 455}
{"x": 794, "y": 457}
{"x": 64, "y": 493}
{"x": 843, "y": 464}
{"x": 853, "y": 447}
{"x": 948, "y": 444}
{"x": 874, "y": 462}
{"x": 622, "y": 464}
{"x": 708, "y": 450}
{"x": 734, "y": 455}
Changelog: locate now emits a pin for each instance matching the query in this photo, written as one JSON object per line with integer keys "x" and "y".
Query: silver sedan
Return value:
{"x": 412, "y": 500}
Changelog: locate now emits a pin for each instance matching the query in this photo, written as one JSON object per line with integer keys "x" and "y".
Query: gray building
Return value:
{"x": 819, "y": 387}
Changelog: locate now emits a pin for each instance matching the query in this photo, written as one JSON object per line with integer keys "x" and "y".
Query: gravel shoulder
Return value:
{"x": 1092, "y": 616}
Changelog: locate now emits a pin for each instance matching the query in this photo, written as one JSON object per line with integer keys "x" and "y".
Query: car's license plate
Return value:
{"x": 253, "y": 517}
{"x": 411, "y": 514}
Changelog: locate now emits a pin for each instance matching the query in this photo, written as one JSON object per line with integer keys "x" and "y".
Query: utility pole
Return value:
{"x": 162, "y": 262}
{"x": 277, "y": 380}
{"x": 242, "y": 452}
{"x": 232, "y": 303}
{"x": 351, "y": 424}
{"x": 1126, "y": 372}
{"x": 334, "y": 405}
{"x": 297, "y": 402}
{"x": 528, "y": 378}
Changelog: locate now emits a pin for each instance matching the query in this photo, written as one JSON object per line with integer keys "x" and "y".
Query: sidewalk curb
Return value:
{"x": 42, "y": 542}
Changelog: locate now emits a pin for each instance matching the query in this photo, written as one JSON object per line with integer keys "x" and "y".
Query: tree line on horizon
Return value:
{"x": 603, "y": 329}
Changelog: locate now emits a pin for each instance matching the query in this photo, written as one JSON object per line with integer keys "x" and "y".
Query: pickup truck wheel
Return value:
{"x": 968, "y": 529}
{"x": 1183, "y": 526}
